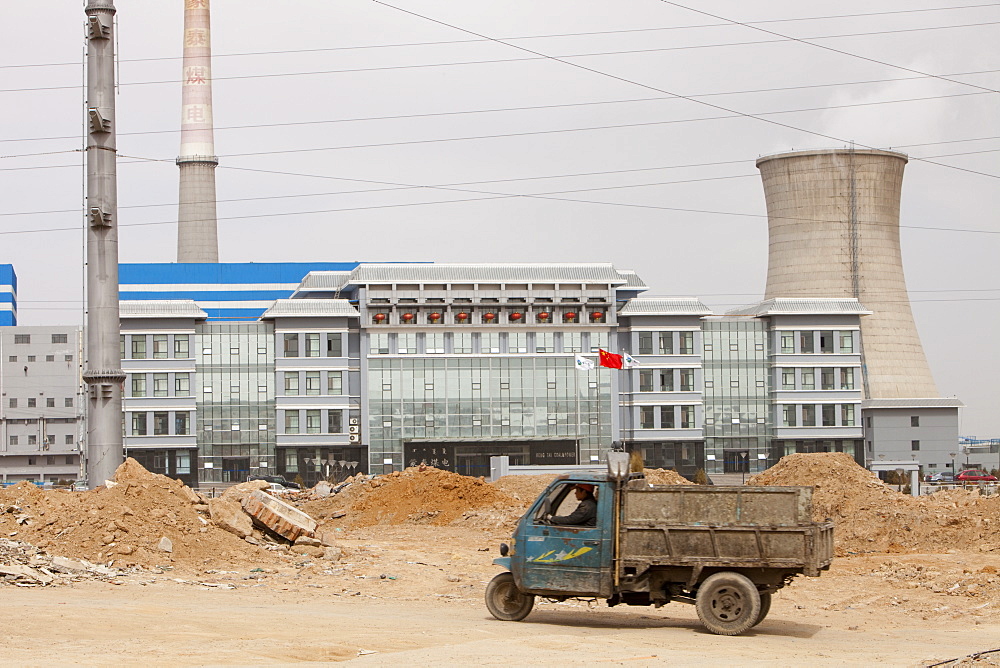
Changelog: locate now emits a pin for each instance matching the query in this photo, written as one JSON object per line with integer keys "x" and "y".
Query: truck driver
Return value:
{"x": 586, "y": 511}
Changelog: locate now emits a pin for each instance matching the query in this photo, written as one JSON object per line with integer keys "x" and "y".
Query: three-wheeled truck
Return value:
{"x": 723, "y": 549}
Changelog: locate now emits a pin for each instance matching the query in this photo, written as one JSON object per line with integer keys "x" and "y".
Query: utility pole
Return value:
{"x": 103, "y": 374}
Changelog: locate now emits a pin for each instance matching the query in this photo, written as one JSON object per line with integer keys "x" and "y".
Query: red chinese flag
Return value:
{"x": 610, "y": 360}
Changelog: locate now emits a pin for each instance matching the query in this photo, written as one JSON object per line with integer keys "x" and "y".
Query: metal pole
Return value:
{"x": 103, "y": 374}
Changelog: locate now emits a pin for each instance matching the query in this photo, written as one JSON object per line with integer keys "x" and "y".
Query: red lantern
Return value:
{"x": 489, "y": 317}
{"x": 543, "y": 316}
{"x": 461, "y": 316}
{"x": 379, "y": 317}
{"x": 407, "y": 317}
{"x": 570, "y": 316}
{"x": 434, "y": 317}
{"x": 516, "y": 316}
{"x": 596, "y": 315}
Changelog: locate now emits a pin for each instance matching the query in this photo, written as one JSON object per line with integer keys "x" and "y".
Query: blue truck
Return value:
{"x": 723, "y": 549}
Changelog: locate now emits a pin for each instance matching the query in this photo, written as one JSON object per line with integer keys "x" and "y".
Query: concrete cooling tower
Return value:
{"x": 833, "y": 229}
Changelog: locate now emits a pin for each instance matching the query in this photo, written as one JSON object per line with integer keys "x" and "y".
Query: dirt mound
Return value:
{"x": 525, "y": 488}
{"x": 665, "y": 477}
{"x": 870, "y": 517}
{"x": 124, "y": 523}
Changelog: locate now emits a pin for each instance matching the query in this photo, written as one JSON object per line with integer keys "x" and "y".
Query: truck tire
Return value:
{"x": 765, "y": 606}
{"x": 728, "y": 603}
{"x": 505, "y": 601}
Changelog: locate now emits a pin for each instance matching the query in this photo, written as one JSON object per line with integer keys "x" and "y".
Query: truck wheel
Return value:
{"x": 765, "y": 606}
{"x": 728, "y": 603}
{"x": 505, "y": 601}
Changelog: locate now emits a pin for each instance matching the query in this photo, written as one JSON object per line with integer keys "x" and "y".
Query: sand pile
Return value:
{"x": 125, "y": 523}
{"x": 524, "y": 488}
{"x": 870, "y": 517}
{"x": 665, "y": 477}
{"x": 418, "y": 495}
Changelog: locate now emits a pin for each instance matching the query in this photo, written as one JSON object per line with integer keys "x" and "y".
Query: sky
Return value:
{"x": 516, "y": 131}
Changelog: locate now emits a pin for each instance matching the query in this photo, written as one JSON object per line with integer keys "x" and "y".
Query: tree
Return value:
{"x": 635, "y": 463}
{"x": 700, "y": 477}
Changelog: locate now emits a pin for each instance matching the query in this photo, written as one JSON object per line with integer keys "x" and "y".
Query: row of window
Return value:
{"x": 50, "y": 439}
{"x": 666, "y": 380}
{"x": 830, "y": 378}
{"x": 822, "y": 341}
{"x": 666, "y": 343}
{"x": 68, "y": 460}
{"x": 313, "y": 422}
{"x": 670, "y": 417}
{"x": 32, "y": 402}
{"x": 157, "y": 423}
{"x": 34, "y": 358}
{"x": 159, "y": 385}
{"x": 26, "y": 338}
{"x": 155, "y": 346}
{"x": 470, "y": 343}
{"x": 822, "y": 415}
{"x": 313, "y": 344}
{"x": 311, "y": 383}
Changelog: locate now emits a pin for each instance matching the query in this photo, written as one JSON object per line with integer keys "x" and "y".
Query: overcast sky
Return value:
{"x": 597, "y": 131}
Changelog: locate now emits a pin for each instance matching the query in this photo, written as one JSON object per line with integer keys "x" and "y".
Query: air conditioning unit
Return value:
{"x": 355, "y": 438}
{"x": 353, "y": 421}
{"x": 354, "y": 429}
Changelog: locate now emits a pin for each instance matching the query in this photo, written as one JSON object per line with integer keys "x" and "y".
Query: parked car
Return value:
{"x": 277, "y": 489}
{"x": 975, "y": 475}
{"x": 942, "y": 476}
{"x": 280, "y": 480}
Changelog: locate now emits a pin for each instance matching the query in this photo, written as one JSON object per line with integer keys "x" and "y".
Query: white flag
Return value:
{"x": 584, "y": 364}
{"x": 628, "y": 361}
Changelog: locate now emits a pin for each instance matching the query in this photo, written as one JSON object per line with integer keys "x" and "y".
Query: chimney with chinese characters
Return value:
{"x": 197, "y": 225}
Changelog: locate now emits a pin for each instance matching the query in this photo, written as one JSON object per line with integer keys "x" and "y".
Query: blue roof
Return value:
{"x": 223, "y": 273}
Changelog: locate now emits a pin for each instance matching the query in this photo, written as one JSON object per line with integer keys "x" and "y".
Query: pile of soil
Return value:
{"x": 665, "y": 477}
{"x": 418, "y": 495}
{"x": 124, "y": 523}
{"x": 524, "y": 488}
{"x": 868, "y": 516}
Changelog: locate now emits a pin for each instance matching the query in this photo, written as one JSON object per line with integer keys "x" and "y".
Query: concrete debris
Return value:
{"x": 277, "y": 516}
{"x": 165, "y": 545}
{"x": 228, "y": 515}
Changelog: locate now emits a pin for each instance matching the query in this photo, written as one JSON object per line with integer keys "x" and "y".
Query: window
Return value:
{"x": 160, "y": 350}
{"x": 32, "y": 439}
{"x": 645, "y": 417}
{"x": 645, "y": 380}
{"x": 829, "y": 414}
{"x": 12, "y": 440}
{"x": 806, "y": 342}
{"x": 291, "y": 422}
{"x": 121, "y": 342}
{"x": 161, "y": 384}
{"x": 545, "y": 342}
{"x": 788, "y": 415}
{"x": 334, "y": 382}
{"x": 31, "y": 358}
{"x": 335, "y": 422}
{"x": 31, "y": 402}
{"x": 182, "y": 384}
{"x": 847, "y": 379}
{"x": 808, "y": 416}
{"x": 826, "y": 342}
{"x": 847, "y": 342}
{"x": 291, "y": 343}
{"x": 666, "y": 380}
{"x": 181, "y": 421}
{"x": 50, "y": 402}
{"x": 161, "y": 423}
{"x": 68, "y": 358}
{"x": 666, "y": 340}
{"x": 12, "y": 358}
{"x": 914, "y": 445}
{"x": 687, "y": 380}
{"x": 914, "y": 420}
{"x": 334, "y": 345}
{"x": 826, "y": 379}
{"x": 462, "y": 343}
{"x": 69, "y": 439}
{"x": 686, "y": 346}
{"x": 312, "y": 382}
{"x": 139, "y": 385}
{"x": 12, "y": 402}
{"x": 847, "y": 415}
{"x": 687, "y": 417}
{"x": 489, "y": 342}
{"x": 138, "y": 424}
{"x": 181, "y": 346}
{"x": 68, "y": 402}
{"x": 598, "y": 340}
{"x": 808, "y": 379}
{"x": 434, "y": 343}
{"x": 291, "y": 383}
{"x": 22, "y": 338}
{"x": 291, "y": 462}
{"x": 788, "y": 379}
{"x": 667, "y": 417}
{"x": 572, "y": 342}
{"x": 788, "y": 342}
{"x": 378, "y": 344}
{"x": 60, "y": 338}
{"x": 312, "y": 345}
{"x": 406, "y": 343}
{"x": 50, "y": 358}
{"x": 313, "y": 421}
{"x": 645, "y": 343}
{"x": 138, "y": 347}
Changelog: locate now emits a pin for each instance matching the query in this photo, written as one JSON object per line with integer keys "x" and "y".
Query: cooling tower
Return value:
{"x": 197, "y": 233}
{"x": 833, "y": 229}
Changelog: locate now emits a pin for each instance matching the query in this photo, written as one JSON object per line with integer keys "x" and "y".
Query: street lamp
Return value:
{"x": 953, "y": 455}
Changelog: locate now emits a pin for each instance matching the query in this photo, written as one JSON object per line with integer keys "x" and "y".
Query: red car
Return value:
{"x": 975, "y": 475}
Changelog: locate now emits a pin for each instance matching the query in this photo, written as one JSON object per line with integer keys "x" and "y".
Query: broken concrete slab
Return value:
{"x": 276, "y": 515}
{"x": 165, "y": 544}
{"x": 26, "y": 572}
{"x": 229, "y": 515}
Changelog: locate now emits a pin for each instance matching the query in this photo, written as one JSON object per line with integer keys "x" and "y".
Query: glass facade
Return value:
{"x": 737, "y": 396}
{"x": 235, "y": 399}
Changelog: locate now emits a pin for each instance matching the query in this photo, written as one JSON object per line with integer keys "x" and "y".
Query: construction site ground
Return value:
{"x": 916, "y": 582}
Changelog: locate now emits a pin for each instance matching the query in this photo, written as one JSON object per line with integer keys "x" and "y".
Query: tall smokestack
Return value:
{"x": 833, "y": 230}
{"x": 197, "y": 225}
